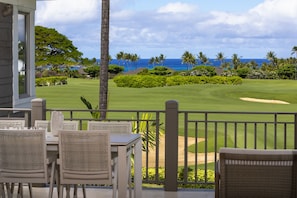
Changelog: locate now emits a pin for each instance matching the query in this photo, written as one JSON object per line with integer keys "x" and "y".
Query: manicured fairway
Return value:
{"x": 190, "y": 97}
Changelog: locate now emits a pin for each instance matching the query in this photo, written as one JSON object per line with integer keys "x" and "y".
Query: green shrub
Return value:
{"x": 144, "y": 71}
{"x": 92, "y": 71}
{"x": 234, "y": 80}
{"x": 160, "y": 71}
{"x": 218, "y": 80}
{"x": 287, "y": 71}
{"x": 175, "y": 80}
{"x": 139, "y": 81}
{"x": 183, "y": 80}
{"x": 243, "y": 72}
{"x": 180, "y": 177}
{"x": 50, "y": 81}
{"x": 203, "y": 70}
{"x": 115, "y": 69}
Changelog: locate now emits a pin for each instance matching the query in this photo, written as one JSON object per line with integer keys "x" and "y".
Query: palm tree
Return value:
{"x": 188, "y": 58}
{"x": 152, "y": 61}
{"x": 104, "y": 58}
{"x": 134, "y": 58}
{"x": 203, "y": 59}
{"x": 221, "y": 58}
{"x": 120, "y": 56}
{"x": 253, "y": 64}
{"x": 235, "y": 61}
{"x": 294, "y": 50}
{"x": 271, "y": 56}
{"x": 162, "y": 58}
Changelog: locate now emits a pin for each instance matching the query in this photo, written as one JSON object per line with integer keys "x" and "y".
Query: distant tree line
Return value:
{"x": 57, "y": 51}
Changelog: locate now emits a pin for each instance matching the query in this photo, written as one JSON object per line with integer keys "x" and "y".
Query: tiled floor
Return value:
{"x": 41, "y": 192}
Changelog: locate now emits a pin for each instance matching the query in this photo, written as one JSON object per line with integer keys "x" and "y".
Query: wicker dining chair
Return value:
{"x": 122, "y": 127}
{"x": 24, "y": 159}
{"x": 12, "y": 124}
{"x": 250, "y": 173}
{"x": 42, "y": 124}
{"x": 85, "y": 158}
{"x": 70, "y": 125}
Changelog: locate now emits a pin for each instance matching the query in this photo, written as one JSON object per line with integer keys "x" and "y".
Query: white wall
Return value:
{"x": 27, "y": 6}
{"x": 24, "y": 3}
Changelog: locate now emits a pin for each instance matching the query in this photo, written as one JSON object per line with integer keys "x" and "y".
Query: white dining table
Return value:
{"x": 120, "y": 143}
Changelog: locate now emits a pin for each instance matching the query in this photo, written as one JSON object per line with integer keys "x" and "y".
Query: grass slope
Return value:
{"x": 190, "y": 97}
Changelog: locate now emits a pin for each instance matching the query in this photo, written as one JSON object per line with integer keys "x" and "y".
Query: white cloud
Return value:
{"x": 66, "y": 11}
{"x": 176, "y": 8}
{"x": 175, "y": 27}
{"x": 276, "y": 9}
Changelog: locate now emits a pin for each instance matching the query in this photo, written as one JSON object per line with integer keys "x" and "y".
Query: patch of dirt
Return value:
{"x": 264, "y": 100}
{"x": 181, "y": 154}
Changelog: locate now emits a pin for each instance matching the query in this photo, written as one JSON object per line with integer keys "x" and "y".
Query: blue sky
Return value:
{"x": 249, "y": 28}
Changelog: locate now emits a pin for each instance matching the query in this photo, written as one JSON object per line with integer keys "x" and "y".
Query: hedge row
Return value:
{"x": 148, "y": 81}
{"x": 50, "y": 81}
{"x": 180, "y": 177}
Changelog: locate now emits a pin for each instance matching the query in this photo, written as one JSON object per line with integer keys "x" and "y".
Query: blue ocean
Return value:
{"x": 175, "y": 64}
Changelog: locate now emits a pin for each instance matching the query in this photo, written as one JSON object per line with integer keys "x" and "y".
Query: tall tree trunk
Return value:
{"x": 104, "y": 59}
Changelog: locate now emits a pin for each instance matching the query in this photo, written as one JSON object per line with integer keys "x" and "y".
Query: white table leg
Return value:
{"x": 137, "y": 169}
{"x": 122, "y": 172}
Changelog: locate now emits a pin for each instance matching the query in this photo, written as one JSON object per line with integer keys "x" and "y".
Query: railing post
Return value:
{"x": 295, "y": 131}
{"x": 171, "y": 145}
{"x": 38, "y": 110}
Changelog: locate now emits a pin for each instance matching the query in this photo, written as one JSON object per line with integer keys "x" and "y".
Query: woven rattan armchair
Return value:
{"x": 122, "y": 127}
{"x": 70, "y": 125}
{"x": 67, "y": 124}
{"x": 84, "y": 158}
{"x": 12, "y": 124}
{"x": 42, "y": 124}
{"x": 250, "y": 173}
{"x": 113, "y": 127}
{"x": 24, "y": 159}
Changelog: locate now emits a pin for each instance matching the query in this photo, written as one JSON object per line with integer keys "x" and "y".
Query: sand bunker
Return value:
{"x": 264, "y": 101}
{"x": 181, "y": 154}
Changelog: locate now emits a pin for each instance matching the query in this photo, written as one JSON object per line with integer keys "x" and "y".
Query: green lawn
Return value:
{"x": 190, "y": 97}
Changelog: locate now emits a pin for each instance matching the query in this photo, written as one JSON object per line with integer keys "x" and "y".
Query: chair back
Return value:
{"x": 57, "y": 119}
{"x": 256, "y": 173}
{"x": 85, "y": 157}
{"x": 113, "y": 127}
{"x": 13, "y": 124}
{"x": 42, "y": 124}
{"x": 70, "y": 125}
{"x": 23, "y": 156}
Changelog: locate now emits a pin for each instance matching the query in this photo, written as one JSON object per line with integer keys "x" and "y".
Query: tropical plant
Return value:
{"x": 94, "y": 114}
{"x": 147, "y": 128}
